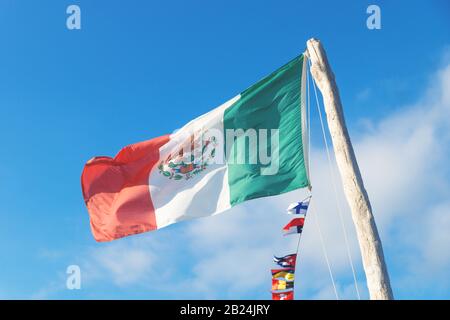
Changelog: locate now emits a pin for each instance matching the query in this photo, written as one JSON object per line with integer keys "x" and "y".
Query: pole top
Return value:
{"x": 315, "y": 51}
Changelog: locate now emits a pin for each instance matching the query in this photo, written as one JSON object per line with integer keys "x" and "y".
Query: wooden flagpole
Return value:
{"x": 369, "y": 241}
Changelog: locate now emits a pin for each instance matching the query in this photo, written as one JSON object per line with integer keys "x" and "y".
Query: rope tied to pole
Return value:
{"x": 333, "y": 181}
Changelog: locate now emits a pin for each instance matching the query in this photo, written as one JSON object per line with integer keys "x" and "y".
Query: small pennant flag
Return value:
{"x": 299, "y": 207}
{"x": 282, "y": 284}
{"x": 286, "y": 274}
{"x": 286, "y": 261}
{"x": 283, "y": 295}
{"x": 295, "y": 226}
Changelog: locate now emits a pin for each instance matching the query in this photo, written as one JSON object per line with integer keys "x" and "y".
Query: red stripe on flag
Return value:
{"x": 296, "y": 222}
{"x": 283, "y": 295}
{"x": 116, "y": 191}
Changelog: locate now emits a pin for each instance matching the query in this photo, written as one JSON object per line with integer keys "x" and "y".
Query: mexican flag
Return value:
{"x": 252, "y": 146}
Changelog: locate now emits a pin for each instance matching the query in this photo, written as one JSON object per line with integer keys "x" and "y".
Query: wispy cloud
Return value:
{"x": 126, "y": 265}
{"x": 404, "y": 161}
{"x": 405, "y": 165}
{"x": 363, "y": 95}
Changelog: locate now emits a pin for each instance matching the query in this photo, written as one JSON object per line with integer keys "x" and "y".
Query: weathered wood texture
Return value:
{"x": 366, "y": 229}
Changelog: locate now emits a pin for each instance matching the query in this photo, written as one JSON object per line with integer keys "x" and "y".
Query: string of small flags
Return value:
{"x": 283, "y": 278}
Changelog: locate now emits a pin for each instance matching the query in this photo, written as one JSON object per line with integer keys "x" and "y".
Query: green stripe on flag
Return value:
{"x": 272, "y": 103}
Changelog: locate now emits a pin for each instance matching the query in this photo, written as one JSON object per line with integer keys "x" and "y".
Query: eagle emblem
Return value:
{"x": 192, "y": 158}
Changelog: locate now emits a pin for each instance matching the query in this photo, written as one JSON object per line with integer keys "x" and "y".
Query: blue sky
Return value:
{"x": 138, "y": 70}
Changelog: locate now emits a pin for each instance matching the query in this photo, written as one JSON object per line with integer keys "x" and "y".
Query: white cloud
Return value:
{"x": 124, "y": 262}
{"x": 363, "y": 95}
{"x": 404, "y": 162}
{"x": 127, "y": 265}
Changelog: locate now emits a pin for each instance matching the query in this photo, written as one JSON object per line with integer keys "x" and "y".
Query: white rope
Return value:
{"x": 344, "y": 229}
{"x": 316, "y": 219}
{"x": 308, "y": 110}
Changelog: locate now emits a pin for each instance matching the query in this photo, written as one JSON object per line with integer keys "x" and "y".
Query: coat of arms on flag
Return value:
{"x": 161, "y": 181}
{"x": 190, "y": 159}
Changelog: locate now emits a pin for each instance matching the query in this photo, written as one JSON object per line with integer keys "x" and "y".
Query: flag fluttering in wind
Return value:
{"x": 286, "y": 274}
{"x": 299, "y": 207}
{"x": 282, "y": 284}
{"x": 289, "y": 295}
{"x": 283, "y": 279}
{"x": 155, "y": 183}
{"x": 294, "y": 226}
{"x": 287, "y": 261}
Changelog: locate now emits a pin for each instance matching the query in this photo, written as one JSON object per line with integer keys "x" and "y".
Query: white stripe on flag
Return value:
{"x": 199, "y": 196}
